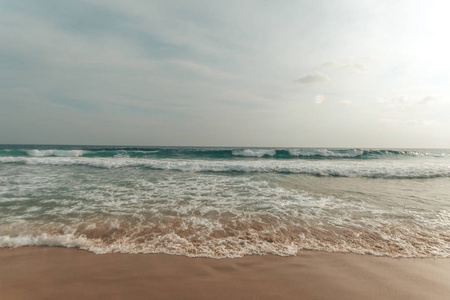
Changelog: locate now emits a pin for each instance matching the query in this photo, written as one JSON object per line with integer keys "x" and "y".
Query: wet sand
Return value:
{"x": 61, "y": 273}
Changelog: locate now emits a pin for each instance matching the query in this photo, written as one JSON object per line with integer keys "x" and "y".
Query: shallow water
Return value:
{"x": 221, "y": 202}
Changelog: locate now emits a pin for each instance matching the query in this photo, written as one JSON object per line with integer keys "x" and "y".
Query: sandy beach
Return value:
{"x": 62, "y": 273}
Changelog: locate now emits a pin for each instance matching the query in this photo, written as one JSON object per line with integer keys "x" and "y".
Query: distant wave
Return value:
{"x": 223, "y": 153}
{"x": 338, "y": 168}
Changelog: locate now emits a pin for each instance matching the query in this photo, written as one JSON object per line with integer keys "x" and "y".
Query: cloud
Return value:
{"x": 327, "y": 64}
{"x": 202, "y": 70}
{"x": 313, "y": 79}
{"x": 406, "y": 122}
{"x": 356, "y": 67}
{"x": 406, "y": 100}
{"x": 429, "y": 99}
{"x": 393, "y": 100}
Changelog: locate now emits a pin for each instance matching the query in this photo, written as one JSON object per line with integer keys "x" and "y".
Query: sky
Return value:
{"x": 262, "y": 73}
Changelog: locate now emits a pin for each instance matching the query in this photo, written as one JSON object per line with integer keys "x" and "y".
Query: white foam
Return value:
{"x": 210, "y": 215}
{"x": 326, "y": 152}
{"x": 428, "y": 168}
{"x": 254, "y": 152}
{"x": 121, "y": 155}
{"x": 66, "y": 240}
{"x": 392, "y": 241}
{"x": 60, "y": 153}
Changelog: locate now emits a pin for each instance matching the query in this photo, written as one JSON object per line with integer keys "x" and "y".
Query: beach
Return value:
{"x": 67, "y": 273}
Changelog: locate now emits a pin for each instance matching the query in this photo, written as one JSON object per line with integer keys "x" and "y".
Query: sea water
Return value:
{"x": 226, "y": 202}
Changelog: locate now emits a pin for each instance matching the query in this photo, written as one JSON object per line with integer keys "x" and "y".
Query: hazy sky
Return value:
{"x": 225, "y": 73}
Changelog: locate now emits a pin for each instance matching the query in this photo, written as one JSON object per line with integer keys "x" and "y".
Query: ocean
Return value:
{"x": 226, "y": 202}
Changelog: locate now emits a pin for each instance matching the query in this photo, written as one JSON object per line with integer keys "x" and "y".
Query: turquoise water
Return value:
{"x": 213, "y": 152}
{"x": 226, "y": 202}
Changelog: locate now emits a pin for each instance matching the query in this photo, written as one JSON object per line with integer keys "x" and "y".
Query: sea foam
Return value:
{"x": 368, "y": 168}
{"x": 61, "y": 153}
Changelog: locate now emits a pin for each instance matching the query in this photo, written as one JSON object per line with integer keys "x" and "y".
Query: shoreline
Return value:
{"x": 41, "y": 272}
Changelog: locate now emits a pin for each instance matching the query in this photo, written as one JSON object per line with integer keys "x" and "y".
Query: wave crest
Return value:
{"x": 254, "y": 152}
{"x": 225, "y": 153}
{"x": 58, "y": 153}
{"x": 368, "y": 168}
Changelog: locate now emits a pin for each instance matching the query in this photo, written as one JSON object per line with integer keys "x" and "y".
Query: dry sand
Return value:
{"x": 60, "y": 273}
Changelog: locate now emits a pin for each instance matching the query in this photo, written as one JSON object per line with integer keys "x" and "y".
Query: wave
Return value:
{"x": 60, "y": 153}
{"x": 254, "y": 152}
{"x": 229, "y": 239}
{"x": 223, "y": 153}
{"x": 339, "y": 168}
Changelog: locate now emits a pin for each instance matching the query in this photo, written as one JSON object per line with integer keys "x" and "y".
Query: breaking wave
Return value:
{"x": 342, "y": 168}
{"x": 224, "y": 153}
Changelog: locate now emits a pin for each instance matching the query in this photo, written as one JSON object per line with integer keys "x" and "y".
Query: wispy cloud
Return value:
{"x": 429, "y": 99}
{"x": 327, "y": 64}
{"x": 407, "y": 100}
{"x": 77, "y": 104}
{"x": 313, "y": 79}
{"x": 406, "y": 122}
{"x": 356, "y": 67}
